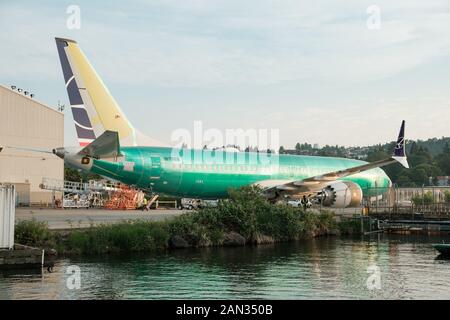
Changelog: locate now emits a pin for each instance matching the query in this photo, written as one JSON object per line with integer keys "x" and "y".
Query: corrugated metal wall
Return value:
{"x": 7, "y": 216}
{"x": 25, "y": 122}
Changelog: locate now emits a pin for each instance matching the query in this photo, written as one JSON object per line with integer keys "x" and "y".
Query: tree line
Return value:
{"x": 427, "y": 159}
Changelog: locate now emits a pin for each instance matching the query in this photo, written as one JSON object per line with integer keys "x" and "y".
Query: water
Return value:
{"x": 321, "y": 268}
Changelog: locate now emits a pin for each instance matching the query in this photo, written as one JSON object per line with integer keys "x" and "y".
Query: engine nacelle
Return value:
{"x": 342, "y": 194}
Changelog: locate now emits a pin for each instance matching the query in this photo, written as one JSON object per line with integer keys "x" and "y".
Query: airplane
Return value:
{"x": 111, "y": 147}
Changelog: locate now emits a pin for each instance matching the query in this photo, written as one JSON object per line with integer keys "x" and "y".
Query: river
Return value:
{"x": 379, "y": 267}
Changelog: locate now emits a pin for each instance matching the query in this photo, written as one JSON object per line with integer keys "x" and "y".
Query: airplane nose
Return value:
{"x": 59, "y": 152}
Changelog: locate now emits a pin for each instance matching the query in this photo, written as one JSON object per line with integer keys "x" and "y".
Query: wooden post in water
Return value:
{"x": 362, "y": 224}
{"x": 376, "y": 197}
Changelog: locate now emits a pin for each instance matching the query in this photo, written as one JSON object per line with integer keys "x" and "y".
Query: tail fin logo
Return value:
{"x": 399, "y": 150}
{"x": 400, "y": 143}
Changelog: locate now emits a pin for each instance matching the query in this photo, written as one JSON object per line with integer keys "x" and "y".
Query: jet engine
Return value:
{"x": 341, "y": 194}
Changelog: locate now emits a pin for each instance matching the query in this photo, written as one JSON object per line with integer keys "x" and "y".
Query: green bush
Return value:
{"x": 349, "y": 226}
{"x": 34, "y": 233}
{"x": 327, "y": 222}
{"x": 190, "y": 229}
{"x": 447, "y": 196}
{"x": 352, "y": 225}
{"x": 127, "y": 236}
{"x": 426, "y": 198}
{"x": 249, "y": 214}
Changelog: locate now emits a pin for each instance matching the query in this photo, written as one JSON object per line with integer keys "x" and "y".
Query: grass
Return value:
{"x": 34, "y": 233}
{"x": 128, "y": 236}
{"x": 352, "y": 226}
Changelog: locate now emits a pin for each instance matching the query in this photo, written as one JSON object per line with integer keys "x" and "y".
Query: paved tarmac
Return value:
{"x": 84, "y": 218}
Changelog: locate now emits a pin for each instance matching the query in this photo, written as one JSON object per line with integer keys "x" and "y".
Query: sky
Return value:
{"x": 316, "y": 70}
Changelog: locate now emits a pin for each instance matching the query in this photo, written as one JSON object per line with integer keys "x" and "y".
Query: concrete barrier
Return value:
{"x": 21, "y": 257}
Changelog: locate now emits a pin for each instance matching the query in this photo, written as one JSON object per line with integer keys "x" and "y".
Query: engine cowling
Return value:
{"x": 342, "y": 194}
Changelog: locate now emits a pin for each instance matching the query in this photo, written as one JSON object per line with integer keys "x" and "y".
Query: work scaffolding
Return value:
{"x": 125, "y": 198}
{"x": 80, "y": 194}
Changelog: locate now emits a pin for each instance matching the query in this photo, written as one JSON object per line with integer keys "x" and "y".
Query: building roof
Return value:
{"x": 31, "y": 99}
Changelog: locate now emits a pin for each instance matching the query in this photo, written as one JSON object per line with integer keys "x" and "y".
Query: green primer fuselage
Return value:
{"x": 209, "y": 174}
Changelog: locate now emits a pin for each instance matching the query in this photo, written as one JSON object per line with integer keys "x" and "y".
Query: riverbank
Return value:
{"x": 245, "y": 219}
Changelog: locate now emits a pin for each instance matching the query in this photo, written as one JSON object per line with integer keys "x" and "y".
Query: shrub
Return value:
{"x": 349, "y": 226}
{"x": 127, "y": 236}
{"x": 426, "y": 198}
{"x": 352, "y": 225}
{"x": 249, "y": 214}
{"x": 34, "y": 233}
{"x": 447, "y": 196}
{"x": 188, "y": 227}
{"x": 327, "y": 222}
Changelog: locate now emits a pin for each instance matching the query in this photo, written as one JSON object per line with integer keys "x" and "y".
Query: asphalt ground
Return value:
{"x": 84, "y": 218}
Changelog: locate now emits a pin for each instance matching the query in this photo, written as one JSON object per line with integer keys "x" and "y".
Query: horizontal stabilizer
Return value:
{"x": 25, "y": 149}
{"x": 105, "y": 146}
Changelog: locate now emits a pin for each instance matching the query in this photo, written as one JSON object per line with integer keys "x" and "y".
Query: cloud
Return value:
{"x": 259, "y": 58}
{"x": 211, "y": 43}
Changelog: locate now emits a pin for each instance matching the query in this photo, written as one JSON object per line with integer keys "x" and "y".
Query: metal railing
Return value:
{"x": 77, "y": 187}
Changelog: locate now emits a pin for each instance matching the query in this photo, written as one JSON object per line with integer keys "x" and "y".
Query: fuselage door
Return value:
{"x": 155, "y": 171}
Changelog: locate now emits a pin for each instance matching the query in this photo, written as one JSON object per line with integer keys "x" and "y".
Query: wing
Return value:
{"x": 317, "y": 183}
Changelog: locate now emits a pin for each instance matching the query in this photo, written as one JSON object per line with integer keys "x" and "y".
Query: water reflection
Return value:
{"x": 330, "y": 268}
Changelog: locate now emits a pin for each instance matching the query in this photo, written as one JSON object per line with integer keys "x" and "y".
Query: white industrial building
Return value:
{"x": 25, "y": 122}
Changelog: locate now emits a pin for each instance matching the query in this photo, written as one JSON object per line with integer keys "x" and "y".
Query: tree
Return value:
{"x": 443, "y": 160}
{"x": 446, "y": 149}
{"x": 71, "y": 174}
{"x": 377, "y": 154}
{"x": 298, "y": 147}
{"x": 404, "y": 181}
{"x": 420, "y": 155}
